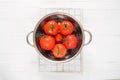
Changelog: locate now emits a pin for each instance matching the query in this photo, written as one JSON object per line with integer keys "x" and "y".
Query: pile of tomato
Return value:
{"x": 58, "y": 38}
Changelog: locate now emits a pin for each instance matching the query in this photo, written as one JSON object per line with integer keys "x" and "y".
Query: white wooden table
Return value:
{"x": 101, "y": 59}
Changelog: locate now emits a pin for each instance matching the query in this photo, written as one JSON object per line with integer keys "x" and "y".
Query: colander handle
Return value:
{"x": 27, "y": 39}
{"x": 90, "y": 37}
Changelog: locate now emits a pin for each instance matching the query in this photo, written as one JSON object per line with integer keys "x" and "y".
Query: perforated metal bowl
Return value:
{"x": 58, "y": 17}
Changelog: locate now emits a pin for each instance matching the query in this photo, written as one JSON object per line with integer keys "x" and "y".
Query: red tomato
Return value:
{"x": 51, "y": 27}
{"x": 47, "y": 42}
{"x": 59, "y": 23}
{"x": 70, "y": 41}
{"x": 59, "y": 51}
{"x": 58, "y": 38}
{"x": 66, "y": 27}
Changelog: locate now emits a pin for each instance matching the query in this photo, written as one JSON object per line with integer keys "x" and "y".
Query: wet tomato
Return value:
{"x": 59, "y": 51}
{"x": 51, "y": 27}
{"x": 70, "y": 41}
{"x": 47, "y": 42}
{"x": 66, "y": 27}
{"x": 58, "y": 38}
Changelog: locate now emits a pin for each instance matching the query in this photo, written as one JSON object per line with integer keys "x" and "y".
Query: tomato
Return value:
{"x": 58, "y": 38}
{"x": 51, "y": 27}
{"x": 59, "y": 23}
{"x": 66, "y": 27}
{"x": 47, "y": 42}
{"x": 70, "y": 41}
{"x": 59, "y": 51}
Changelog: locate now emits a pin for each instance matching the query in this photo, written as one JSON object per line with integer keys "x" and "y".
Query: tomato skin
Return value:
{"x": 70, "y": 42}
{"x": 47, "y": 42}
{"x": 66, "y": 27}
{"x": 59, "y": 51}
{"x": 51, "y": 27}
{"x": 58, "y": 38}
